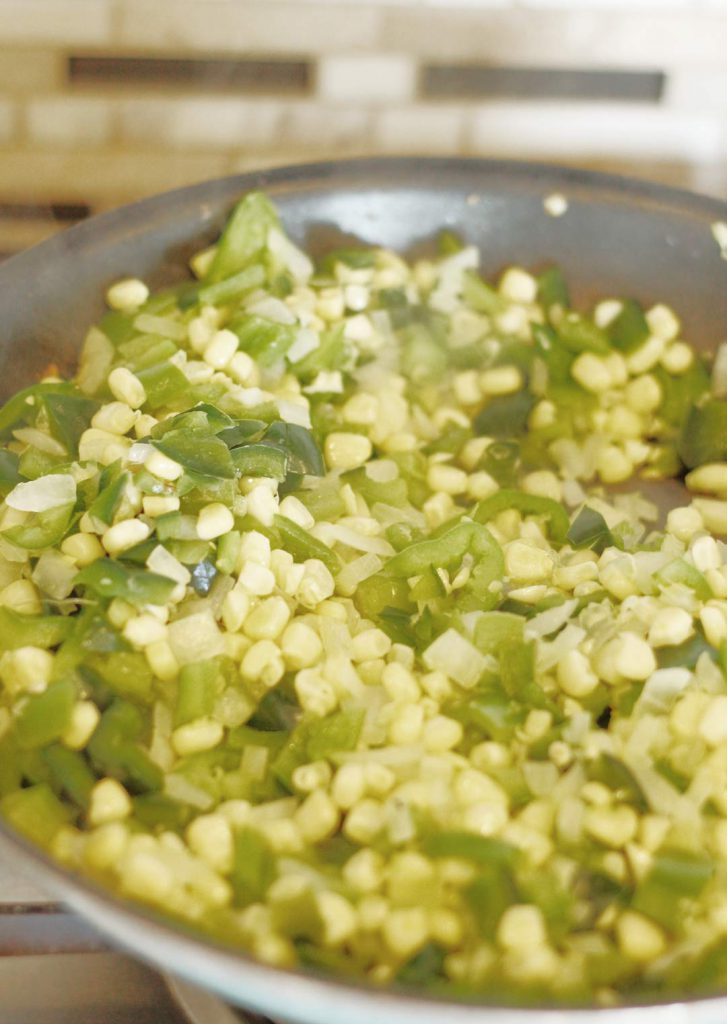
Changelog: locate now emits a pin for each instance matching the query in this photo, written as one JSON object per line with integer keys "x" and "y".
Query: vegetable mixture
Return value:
{"x": 321, "y": 631}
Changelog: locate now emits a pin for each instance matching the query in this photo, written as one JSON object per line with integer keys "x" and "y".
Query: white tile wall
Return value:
{"x": 68, "y": 121}
{"x": 24, "y": 70}
{"x": 252, "y": 26}
{"x": 106, "y": 144}
{"x": 78, "y": 22}
{"x": 316, "y": 125}
{"x": 698, "y": 90}
{"x": 192, "y": 122}
{"x": 576, "y": 37}
{"x": 594, "y": 130}
{"x": 421, "y": 129}
{"x": 367, "y": 78}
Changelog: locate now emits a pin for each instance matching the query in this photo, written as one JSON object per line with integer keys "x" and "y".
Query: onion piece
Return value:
{"x": 43, "y": 494}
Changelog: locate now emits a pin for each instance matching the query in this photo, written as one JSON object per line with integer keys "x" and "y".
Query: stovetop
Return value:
{"x": 54, "y": 969}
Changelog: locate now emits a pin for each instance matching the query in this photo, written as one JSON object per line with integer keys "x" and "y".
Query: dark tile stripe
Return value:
{"x": 235, "y": 74}
{"x": 480, "y": 81}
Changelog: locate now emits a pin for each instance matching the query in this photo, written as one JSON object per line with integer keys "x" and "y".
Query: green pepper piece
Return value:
{"x": 556, "y": 357}
{"x": 70, "y": 773}
{"x": 683, "y": 393}
{"x": 629, "y": 329}
{"x": 528, "y": 505}
{"x": 579, "y": 334}
{"x": 17, "y": 630}
{"x": 335, "y": 734}
{"x": 428, "y": 587}
{"x": 233, "y": 287}
{"x": 681, "y": 571}
{"x": 674, "y": 875}
{"x": 500, "y": 460}
{"x": 495, "y": 628}
{"x": 302, "y": 545}
{"x": 552, "y": 289}
{"x": 164, "y": 383}
{"x": 260, "y": 460}
{"x": 45, "y": 716}
{"x": 109, "y": 498}
{"x": 378, "y": 592}
{"x": 517, "y": 671}
{"x": 422, "y": 357}
{"x": 108, "y": 578}
{"x": 505, "y": 416}
{"x": 202, "y": 454}
{"x": 480, "y": 295}
{"x": 265, "y": 340}
{"x": 704, "y": 434}
{"x": 491, "y": 713}
{"x": 9, "y": 472}
{"x": 393, "y": 492}
{"x": 25, "y": 405}
{"x": 324, "y": 502}
{"x": 228, "y": 552}
{"x": 36, "y": 812}
{"x": 612, "y": 772}
{"x": 357, "y": 259}
{"x": 42, "y": 530}
{"x": 489, "y": 896}
{"x": 331, "y": 354}
{"x": 298, "y": 917}
{"x": 687, "y": 654}
{"x": 470, "y": 846}
{"x": 448, "y": 550}
{"x": 589, "y": 530}
{"x": 425, "y": 965}
{"x": 159, "y": 813}
{"x": 126, "y": 673}
{"x": 145, "y": 351}
{"x": 298, "y": 443}
{"x": 244, "y": 237}
{"x": 197, "y": 691}
{"x": 254, "y": 867}
{"x": 114, "y": 748}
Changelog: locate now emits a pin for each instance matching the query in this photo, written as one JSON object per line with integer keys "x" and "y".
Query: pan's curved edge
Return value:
{"x": 413, "y": 172}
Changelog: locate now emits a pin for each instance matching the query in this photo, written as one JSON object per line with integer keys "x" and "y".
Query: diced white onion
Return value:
{"x": 454, "y": 655}
{"x": 45, "y": 493}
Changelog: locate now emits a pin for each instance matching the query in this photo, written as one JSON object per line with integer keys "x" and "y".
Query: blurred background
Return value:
{"x": 104, "y": 101}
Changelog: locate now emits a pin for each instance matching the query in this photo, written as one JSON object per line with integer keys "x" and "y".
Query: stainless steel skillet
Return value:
{"x": 616, "y": 237}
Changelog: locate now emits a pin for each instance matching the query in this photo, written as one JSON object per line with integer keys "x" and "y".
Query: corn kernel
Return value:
{"x": 638, "y": 937}
{"x": 347, "y": 451}
{"x": 161, "y": 660}
{"x": 127, "y": 294}
{"x": 124, "y": 535}
{"x": 210, "y": 837}
{"x": 317, "y": 817}
{"x": 126, "y": 387}
{"x": 500, "y": 380}
{"x": 194, "y": 737}
{"x": 405, "y": 931}
{"x": 221, "y": 349}
{"x": 84, "y": 719}
{"x": 264, "y": 662}
{"x": 109, "y": 802}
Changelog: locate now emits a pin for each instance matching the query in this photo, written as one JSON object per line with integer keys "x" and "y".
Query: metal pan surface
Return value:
{"x": 617, "y": 236}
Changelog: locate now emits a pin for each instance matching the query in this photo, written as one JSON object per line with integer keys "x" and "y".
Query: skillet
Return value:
{"x": 617, "y": 237}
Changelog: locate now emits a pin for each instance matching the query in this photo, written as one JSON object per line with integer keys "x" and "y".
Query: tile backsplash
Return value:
{"x": 103, "y": 101}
